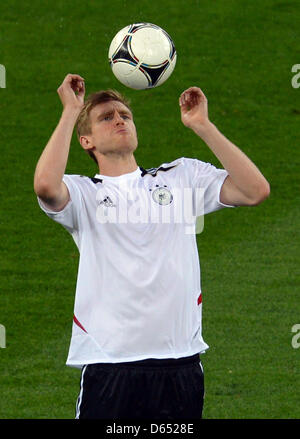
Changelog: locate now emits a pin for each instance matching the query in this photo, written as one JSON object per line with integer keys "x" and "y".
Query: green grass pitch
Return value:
{"x": 241, "y": 54}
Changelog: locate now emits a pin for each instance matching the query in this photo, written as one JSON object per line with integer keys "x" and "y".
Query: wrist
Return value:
{"x": 204, "y": 129}
{"x": 71, "y": 111}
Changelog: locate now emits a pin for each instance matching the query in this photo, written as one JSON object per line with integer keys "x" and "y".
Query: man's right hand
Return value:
{"x": 71, "y": 92}
{"x": 50, "y": 169}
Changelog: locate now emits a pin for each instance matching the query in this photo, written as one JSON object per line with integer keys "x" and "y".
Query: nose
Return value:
{"x": 118, "y": 118}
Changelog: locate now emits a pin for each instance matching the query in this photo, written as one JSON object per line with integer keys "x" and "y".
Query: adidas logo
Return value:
{"x": 107, "y": 202}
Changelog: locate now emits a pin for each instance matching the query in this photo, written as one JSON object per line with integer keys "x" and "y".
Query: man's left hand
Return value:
{"x": 193, "y": 107}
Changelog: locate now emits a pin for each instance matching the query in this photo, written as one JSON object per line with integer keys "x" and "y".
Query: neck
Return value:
{"x": 116, "y": 166}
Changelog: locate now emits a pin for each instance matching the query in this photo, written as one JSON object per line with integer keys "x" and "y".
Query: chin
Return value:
{"x": 127, "y": 148}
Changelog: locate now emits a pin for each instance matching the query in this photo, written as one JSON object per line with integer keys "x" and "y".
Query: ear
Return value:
{"x": 85, "y": 142}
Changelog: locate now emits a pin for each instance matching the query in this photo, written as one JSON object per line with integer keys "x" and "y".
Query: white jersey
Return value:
{"x": 138, "y": 292}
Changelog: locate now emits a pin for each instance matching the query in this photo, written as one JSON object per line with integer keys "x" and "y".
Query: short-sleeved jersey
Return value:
{"x": 138, "y": 292}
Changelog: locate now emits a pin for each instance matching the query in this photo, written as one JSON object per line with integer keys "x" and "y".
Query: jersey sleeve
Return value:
{"x": 206, "y": 181}
{"x": 69, "y": 216}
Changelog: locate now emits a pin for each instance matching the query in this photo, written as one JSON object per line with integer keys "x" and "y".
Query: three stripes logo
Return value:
{"x": 154, "y": 171}
{"x": 107, "y": 202}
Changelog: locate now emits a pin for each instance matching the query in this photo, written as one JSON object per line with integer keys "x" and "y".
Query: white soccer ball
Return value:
{"x": 142, "y": 56}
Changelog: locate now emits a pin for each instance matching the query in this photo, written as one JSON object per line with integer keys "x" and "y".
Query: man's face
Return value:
{"x": 112, "y": 129}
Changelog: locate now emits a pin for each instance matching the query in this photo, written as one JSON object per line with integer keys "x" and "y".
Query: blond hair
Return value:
{"x": 83, "y": 123}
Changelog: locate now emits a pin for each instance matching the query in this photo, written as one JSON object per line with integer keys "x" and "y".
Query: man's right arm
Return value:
{"x": 50, "y": 169}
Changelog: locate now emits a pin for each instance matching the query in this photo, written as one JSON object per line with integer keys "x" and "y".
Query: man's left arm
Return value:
{"x": 245, "y": 184}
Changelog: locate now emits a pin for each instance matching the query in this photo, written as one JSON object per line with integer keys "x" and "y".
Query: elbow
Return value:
{"x": 42, "y": 188}
{"x": 39, "y": 186}
{"x": 262, "y": 193}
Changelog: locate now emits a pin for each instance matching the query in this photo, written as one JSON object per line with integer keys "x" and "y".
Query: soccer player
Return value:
{"x": 136, "y": 331}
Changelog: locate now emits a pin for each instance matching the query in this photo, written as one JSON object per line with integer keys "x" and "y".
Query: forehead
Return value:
{"x": 106, "y": 107}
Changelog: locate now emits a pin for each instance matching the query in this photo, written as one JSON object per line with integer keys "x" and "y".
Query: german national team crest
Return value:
{"x": 162, "y": 195}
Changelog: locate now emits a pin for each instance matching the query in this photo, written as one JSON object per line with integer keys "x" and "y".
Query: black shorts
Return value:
{"x": 146, "y": 389}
